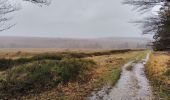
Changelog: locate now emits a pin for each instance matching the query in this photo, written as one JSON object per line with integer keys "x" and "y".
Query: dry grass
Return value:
{"x": 138, "y": 59}
{"x": 159, "y": 74}
{"x": 107, "y": 72}
{"x": 27, "y": 52}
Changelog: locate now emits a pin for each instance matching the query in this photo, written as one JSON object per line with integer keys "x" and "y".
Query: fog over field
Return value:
{"x": 73, "y": 43}
{"x": 84, "y": 49}
{"x": 74, "y": 24}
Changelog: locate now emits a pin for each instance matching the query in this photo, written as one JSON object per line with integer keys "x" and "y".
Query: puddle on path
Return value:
{"x": 132, "y": 85}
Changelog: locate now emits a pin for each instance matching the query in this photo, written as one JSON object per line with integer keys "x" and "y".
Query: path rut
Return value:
{"x": 132, "y": 85}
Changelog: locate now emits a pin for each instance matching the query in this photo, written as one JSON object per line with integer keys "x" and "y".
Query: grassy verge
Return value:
{"x": 141, "y": 56}
{"x": 158, "y": 71}
{"x": 138, "y": 59}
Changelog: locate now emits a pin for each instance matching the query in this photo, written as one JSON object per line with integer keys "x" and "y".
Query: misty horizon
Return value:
{"x": 53, "y": 37}
{"x": 74, "y": 43}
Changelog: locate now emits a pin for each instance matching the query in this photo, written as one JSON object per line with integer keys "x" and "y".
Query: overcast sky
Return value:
{"x": 75, "y": 19}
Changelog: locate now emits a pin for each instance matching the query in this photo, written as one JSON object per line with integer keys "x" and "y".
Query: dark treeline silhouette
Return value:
{"x": 159, "y": 24}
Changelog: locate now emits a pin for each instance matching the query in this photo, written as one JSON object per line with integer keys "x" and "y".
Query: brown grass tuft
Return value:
{"x": 158, "y": 70}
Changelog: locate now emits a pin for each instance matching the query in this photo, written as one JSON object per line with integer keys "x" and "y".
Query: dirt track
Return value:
{"x": 132, "y": 85}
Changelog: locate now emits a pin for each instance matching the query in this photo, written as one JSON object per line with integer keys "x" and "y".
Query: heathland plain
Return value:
{"x": 31, "y": 74}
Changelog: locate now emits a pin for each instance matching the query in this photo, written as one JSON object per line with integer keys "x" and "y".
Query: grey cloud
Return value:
{"x": 75, "y": 18}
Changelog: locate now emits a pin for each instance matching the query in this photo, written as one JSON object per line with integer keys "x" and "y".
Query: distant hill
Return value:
{"x": 68, "y": 43}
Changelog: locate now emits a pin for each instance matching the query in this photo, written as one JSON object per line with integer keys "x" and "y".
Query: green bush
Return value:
{"x": 72, "y": 68}
{"x": 48, "y": 56}
{"x": 78, "y": 55}
{"x": 167, "y": 73}
{"x": 7, "y": 63}
{"x": 44, "y": 74}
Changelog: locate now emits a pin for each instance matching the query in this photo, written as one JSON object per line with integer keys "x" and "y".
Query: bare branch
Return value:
{"x": 6, "y": 8}
{"x": 44, "y": 2}
{"x": 143, "y": 5}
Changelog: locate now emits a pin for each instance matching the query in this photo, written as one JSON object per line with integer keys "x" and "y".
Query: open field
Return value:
{"x": 27, "y": 52}
{"x": 158, "y": 71}
{"x": 60, "y": 75}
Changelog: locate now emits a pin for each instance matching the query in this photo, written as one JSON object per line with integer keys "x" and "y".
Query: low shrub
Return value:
{"x": 71, "y": 69}
{"x": 167, "y": 73}
{"x": 83, "y": 55}
{"x": 78, "y": 55}
{"x": 7, "y": 63}
{"x": 41, "y": 75}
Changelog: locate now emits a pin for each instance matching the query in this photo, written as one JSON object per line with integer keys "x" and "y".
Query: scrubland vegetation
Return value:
{"x": 66, "y": 75}
{"x": 37, "y": 73}
{"x": 158, "y": 71}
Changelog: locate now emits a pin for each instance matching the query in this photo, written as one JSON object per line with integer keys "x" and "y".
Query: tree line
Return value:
{"x": 159, "y": 24}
